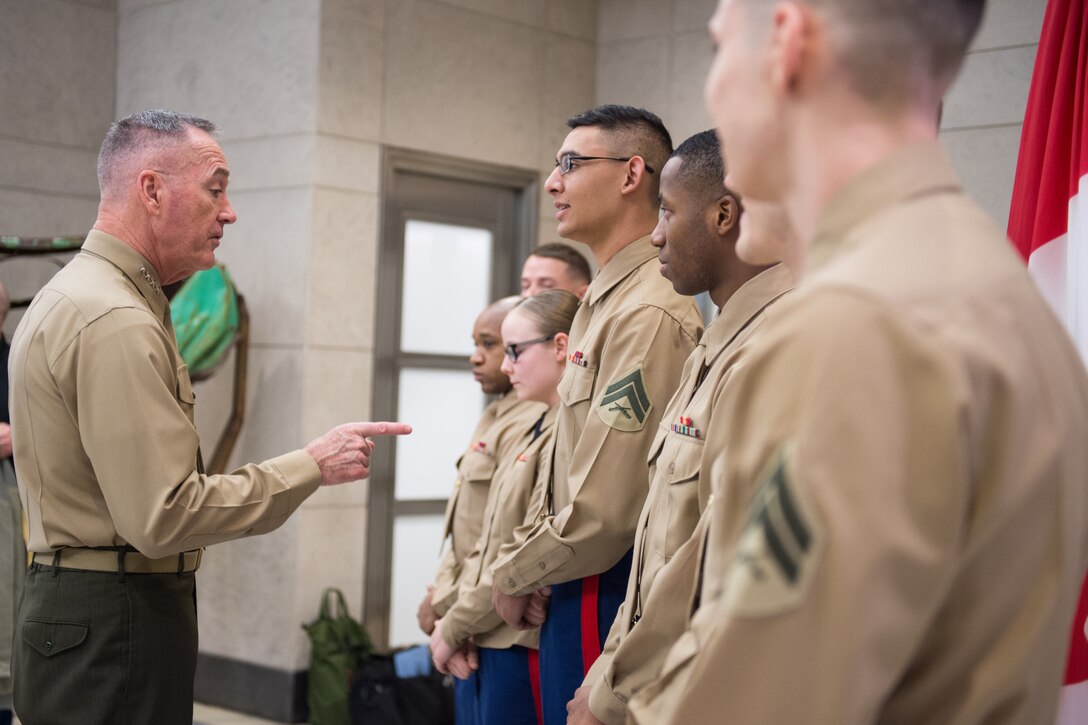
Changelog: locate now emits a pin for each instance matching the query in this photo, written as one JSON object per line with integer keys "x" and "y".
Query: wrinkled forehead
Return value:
{"x": 202, "y": 152}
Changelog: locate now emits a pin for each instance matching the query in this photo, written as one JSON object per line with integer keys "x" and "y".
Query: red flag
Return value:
{"x": 1048, "y": 223}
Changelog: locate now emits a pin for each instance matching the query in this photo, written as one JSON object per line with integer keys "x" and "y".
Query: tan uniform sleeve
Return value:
{"x": 824, "y": 581}
{"x": 143, "y": 447}
{"x": 608, "y": 475}
{"x": 636, "y": 660}
{"x": 445, "y": 582}
{"x": 517, "y": 486}
{"x": 470, "y": 611}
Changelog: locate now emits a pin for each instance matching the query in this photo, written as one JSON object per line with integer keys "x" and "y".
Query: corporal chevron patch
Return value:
{"x": 776, "y": 556}
{"x": 625, "y": 404}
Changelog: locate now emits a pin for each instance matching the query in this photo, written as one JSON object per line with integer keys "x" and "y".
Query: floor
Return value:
{"x": 208, "y": 715}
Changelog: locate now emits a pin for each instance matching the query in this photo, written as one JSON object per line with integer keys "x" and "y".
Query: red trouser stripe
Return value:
{"x": 534, "y": 682}
{"x": 591, "y": 639}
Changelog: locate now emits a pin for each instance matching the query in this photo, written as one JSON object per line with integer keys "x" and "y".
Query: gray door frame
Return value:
{"x": 514, "y": 235}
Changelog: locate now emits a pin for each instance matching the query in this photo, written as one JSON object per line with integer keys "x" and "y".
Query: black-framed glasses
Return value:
{"x": 566, "y": 162}
{"x": 515, "y": 349}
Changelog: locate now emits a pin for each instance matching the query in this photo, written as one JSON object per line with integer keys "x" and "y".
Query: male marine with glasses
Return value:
{"x": 628, "y": 344}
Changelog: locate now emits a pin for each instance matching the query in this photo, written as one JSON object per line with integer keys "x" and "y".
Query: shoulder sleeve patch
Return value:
{"x": 625, "y": 404}
{"x": 777, "y": 553}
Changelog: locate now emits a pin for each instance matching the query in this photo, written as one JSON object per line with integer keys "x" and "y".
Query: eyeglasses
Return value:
{"x": 566, "y": 162}
{"x": 515, "y": 349}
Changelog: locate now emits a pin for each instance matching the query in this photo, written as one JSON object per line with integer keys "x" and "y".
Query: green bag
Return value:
{"x": 339, "y": 646}
{"x": 205, "y": 315}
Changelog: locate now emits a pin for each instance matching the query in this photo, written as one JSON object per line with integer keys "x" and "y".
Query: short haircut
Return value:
{"x": 701, "y": 169}
{"x": 142, "y": 131}
{"x": 502, "y": 305}
{"x": 577, "y": 266}
{"x": 887, "y": 46}
{"x": 636, "y": 131}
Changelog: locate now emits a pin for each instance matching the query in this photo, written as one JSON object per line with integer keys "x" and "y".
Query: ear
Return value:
{"x": 727, "y": 212}
{"x": 636, "y": 172}
{"x": 150, "y": 189}
{"x": 561, "y": 340}
{"x": 792, "y": 26}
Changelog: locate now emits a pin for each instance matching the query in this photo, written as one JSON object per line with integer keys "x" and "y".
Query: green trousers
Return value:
{"x": 97, "y": 648}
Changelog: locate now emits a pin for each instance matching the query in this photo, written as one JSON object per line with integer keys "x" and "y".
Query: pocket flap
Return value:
{"x": 185, "y": 385}
{"x": 682, "y": 459}
{"x": 576, "y": 384}
{"x": 476, "y": 466}
{"x": 52, "y": 638}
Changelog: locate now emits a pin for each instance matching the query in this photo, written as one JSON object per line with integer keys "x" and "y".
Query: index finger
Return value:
{"x": 386, "y": 428}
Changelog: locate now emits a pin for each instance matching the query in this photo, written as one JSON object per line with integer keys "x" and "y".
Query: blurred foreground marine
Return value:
{"x": 898, "y": 531}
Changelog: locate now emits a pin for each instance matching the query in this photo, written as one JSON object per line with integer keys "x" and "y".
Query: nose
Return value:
{"x": 507, "y": 366}
{"x": 477, "y": 357}
{"x": 657, "y": 236}
{"x": 227, "y": 215}
{"x": 554, "y": 182}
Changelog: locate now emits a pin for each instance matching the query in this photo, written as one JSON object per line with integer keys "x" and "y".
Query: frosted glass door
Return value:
{"x": 415, "y": 558}
{"x": 444, "y": 406}
{"x": 447, "y": 281}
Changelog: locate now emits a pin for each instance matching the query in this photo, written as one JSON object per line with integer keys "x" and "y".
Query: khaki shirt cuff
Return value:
{"x": 299, "y": 470}
{"x": 606, "y": 705}
{"x": 520, "y": 573}
{"x": 443, "y": 599}
{"x": 452, "y": 634}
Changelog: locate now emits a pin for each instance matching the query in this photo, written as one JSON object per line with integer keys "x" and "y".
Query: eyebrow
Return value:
{"x": 220, "y": 171}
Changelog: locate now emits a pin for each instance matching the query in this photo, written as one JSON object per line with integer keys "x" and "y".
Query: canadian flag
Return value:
{"x": 1048, "y": 223}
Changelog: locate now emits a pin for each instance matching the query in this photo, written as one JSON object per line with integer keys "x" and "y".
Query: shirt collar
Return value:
{"x": 915, "y": 170}
{"x": 548, "y": 419}
{"x": 626, "y": 261}
{"x": 743, "y": 305}
{"x": 133, "y": 265}
{"x": 505, "y": 402}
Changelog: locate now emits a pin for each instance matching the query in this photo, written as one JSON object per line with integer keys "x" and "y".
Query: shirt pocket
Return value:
{"x": 474, "y": 473}
{"x": 576, "y": 388}
{"x": 576, "y": 385}
{"x": 184, "y": 393}
{"x": 678, "y": 466}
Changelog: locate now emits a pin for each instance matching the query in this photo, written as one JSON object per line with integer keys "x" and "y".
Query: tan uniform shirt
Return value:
{"x": 102, "y": 419}
{"x": 628, "y": 344}
{"x": 498, "y": 435}
{"x": 632, "y": 655}
{"x": 915, "y": 420}
{"x": 518, "y": 482}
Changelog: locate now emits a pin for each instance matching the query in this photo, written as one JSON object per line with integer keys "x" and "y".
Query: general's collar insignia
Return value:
{"x": 150, "y": 280}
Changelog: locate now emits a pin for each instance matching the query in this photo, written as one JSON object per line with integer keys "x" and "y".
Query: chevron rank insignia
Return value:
{"x": 775, "y": 558}
{"x": 625, "y": 404}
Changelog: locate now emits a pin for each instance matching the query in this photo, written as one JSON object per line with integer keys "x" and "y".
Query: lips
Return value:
{"x": 560, "y": 209}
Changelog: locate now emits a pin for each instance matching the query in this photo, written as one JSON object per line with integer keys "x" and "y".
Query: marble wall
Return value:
{"x": 984, "y": 111}
{"x": 56, "y": 102}
{"x": 656, "y": 53}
